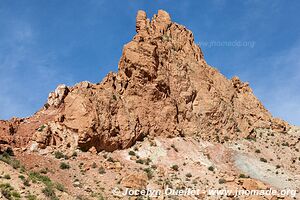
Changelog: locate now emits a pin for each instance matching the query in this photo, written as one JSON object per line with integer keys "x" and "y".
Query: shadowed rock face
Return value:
{"x": 163, "y": 87}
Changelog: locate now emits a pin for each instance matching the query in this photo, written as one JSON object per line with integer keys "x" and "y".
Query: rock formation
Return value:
{"x": 163, "y": 87}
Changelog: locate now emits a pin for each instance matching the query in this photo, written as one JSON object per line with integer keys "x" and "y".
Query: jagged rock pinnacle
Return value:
{"x": 163, "y": 87}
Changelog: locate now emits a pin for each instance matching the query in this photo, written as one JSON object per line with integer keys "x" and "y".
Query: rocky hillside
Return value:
{"x": 163, "y": 87}
{"x": 166, "y": 121}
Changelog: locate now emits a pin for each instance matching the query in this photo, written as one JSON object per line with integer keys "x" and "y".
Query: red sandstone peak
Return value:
{"x": 163, "y": 87}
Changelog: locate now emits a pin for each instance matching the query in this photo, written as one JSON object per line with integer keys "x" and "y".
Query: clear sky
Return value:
{"x": 44, "y": 43}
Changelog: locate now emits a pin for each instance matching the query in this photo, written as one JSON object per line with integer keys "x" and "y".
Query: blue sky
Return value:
{"x": 44, "y": 43}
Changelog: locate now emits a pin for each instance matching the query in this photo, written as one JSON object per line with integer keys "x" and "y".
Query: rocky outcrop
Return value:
{"x": 163, "y": 87}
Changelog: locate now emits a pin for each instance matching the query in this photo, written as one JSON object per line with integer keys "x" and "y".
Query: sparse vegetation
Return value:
{"x": 140, "y": 161}
{"x": 50, "y": 193}
{"x": 131, "y": 153}
{"x": 286, "y": 144}
{"x": 211, "y": 168}
{"x": 175, "y": 167}
{"x": 257, "y": 151}
{"x": 277, "y": 166}
{"x": 60, "y": 187}
{"x": 226, "y": 138}
{"x": 74, "y": 154}
{"x": 64, "y": 165}
{"x": 26, "y": 182}
{"x": 31, "y": 197}
{"x": 189, "y": 175}
{"x": 222, "y": 181}
{"x": 37, "y": 177}
{"x": 7, "y": 176}
{"x": 44, "y": 171}
{"x": 101, "y": 170}
{"x": 148, "y": 161}
{"x": 242, "y": 176}
{"x": 110, "y": 159}
{"x": 263, "y": 160}
{"x": 7, "y": 158}
{"x": 9, "y": 192}
{"x": 41, "y": 128}
{"x": 149, "y": 172}
{"x": 58, "y": 155}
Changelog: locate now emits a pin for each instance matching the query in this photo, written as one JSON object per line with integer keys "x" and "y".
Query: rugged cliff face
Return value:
{"x": 163, "y": 87}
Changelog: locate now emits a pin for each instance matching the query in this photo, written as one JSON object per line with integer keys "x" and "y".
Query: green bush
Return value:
{"x": 41, "y": 128}
{"x": 31, "y": 197}
{"x": 50, "y": 193}
{"x": 242, "y": 176}
{"x": 60, "y": 187}
{"x": 140, "y": 161}
{"x": 5, "y": 157}
{"x": 9, "y": 192}
{"x": 59, "y": 155}
{"x": 131, "y": 153}
{"x": 7, "y": 176}
{"x": 149, "y": 173}
{"x": 64, "y": 165}
{"x": 36, "y": 176}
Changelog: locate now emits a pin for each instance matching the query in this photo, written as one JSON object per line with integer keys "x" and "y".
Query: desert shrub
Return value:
{"x": 175, "y": 167}
{"x": 5, "y": 157}
{"x": 110, "y": 159}
{"x": 59, "y": 155}
{"x": 64, "y": 165}
{"x": 211, "y": 168}
{"x": 140, "y": 161}
{"x": 41, "y": 128}
{"x": 189, "y": 175}
{"x": 36, "y": 176}
{"x": 60, "y": 187}
{"x": 149, "y": 173}
{"x": 277, "y": 166}
{"x": 50, "y": 193}
{"x": 7, "y": 176}
{"x": 26, "y": 182}
{"x": 74, "y": 154}
{"x": 131, "y": 153}
{"x": 9, "y": 192}
{"x": 222, "y": 181}
{"x": 31, "y": 197}
{"x": 263, "y": 160}
{"x": 242, "y": 176}
{"x": 101, "y": 170}
{"x": 147, "y": 161}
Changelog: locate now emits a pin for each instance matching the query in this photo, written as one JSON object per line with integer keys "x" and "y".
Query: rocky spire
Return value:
{"x": 163, "y": 87}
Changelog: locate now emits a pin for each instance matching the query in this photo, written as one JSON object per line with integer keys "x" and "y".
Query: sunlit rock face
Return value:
{"x": 163, "y": 87}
